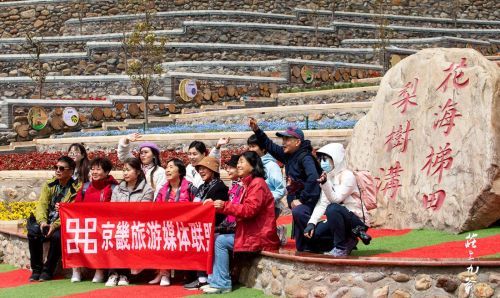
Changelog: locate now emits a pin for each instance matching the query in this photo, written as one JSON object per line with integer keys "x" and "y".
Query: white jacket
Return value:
{"x": 339, "y": 187}
{"x": 193, "y": 176}
{"x": 159, "y": 177}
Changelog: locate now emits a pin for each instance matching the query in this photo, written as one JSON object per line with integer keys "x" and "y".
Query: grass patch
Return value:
{"x": 416, "y": 238}
{"x": 497, "y": 255}
{"x": 50, "y": 289}
{"x": 327, "y": 87}
{"x": 7, "y": 267}
{"x": 288, "y": 230}
{"x": 239, "y": 291}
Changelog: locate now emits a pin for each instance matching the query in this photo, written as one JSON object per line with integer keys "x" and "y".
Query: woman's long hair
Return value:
{"x": 83, "y": 169}
{"x": 135, "y": 164}
{"x": 157, "y": 163}
{"x": 254, "y": 160}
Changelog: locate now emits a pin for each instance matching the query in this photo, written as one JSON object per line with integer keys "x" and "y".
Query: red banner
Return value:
{"x": 137, "y": 235}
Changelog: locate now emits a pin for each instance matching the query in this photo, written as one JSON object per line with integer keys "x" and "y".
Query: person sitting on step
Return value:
{"x": 95, "y": 191}
{"x": 343, "y": 211}
{"x": 45, "y": 224}
{"x": 255, "y": 217}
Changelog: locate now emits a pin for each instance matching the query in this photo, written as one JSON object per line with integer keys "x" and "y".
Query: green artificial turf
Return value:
{"x": 497, "y": 255}
{"x": 288, "y": 230}
{"x": 50, "y": 289}
{"x": 238, "y": 292}
{"x": 7, "y": 267}
{"x": 415, "y": 239}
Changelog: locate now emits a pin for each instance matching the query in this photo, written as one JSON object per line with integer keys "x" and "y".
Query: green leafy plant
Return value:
{"x": 145, "y": 51}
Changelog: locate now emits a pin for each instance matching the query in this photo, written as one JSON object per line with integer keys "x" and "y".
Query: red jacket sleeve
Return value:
{"x": 79, "y": 197}
{"x": 251, "y": 204}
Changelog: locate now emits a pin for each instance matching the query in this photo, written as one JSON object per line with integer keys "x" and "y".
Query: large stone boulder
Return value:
{"x": 432, "y": 140}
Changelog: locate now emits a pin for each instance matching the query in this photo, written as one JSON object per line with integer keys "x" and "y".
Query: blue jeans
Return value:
{"x": 221, "y": 277}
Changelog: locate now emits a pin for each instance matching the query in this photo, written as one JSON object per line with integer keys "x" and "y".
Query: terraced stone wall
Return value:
{"x": 48, "y": 18}
{"x": 71, "y": 88}
{"x": 174, "y": 22}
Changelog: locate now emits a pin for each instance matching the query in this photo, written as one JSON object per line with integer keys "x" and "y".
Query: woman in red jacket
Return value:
{"x": 98, "y": 190}
{"x": 255, "y": 223}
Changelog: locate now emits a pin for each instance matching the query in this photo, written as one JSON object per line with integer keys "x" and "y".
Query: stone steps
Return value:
{"x": 220, "y": 113}
{"x": 276, "y": 110}
{"x": 299, "y": 16}
{"x": 493, "y": 33}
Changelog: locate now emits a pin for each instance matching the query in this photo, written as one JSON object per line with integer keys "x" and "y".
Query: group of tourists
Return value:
{"x": 315, "y": 186}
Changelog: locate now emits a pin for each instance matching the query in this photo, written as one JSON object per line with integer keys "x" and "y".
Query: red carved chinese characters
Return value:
{"x": 434, "y": 200}
{"x": 399, "y": 137}
{"x": 447, "y": 116}
{"x": 408, "y": 92}
{"x": 458, "y": 76}
{"x": 439, "y": 161}
{"x": 392, "y": 178}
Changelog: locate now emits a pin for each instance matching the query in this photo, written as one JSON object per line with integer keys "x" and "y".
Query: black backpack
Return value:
{"x": 301, "y": 157}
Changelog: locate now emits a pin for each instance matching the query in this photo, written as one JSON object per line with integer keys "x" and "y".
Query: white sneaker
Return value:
{"x": 123, "y": 281}
{"x": 211, "y": 290}
{"x": 156, "y": 280}
{"x": 77, "y": 275}
{"x": 98, "y": 276}
{"x": 205, "y": 287}
{"x": 112, "y": 280}
{"x": 165, "y": 281}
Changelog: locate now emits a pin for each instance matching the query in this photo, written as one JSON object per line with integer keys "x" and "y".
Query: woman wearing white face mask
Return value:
{"x": 340, "y": 202}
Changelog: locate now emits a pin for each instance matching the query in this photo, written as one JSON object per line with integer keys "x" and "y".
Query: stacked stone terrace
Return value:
{"x": 253, "y": 48}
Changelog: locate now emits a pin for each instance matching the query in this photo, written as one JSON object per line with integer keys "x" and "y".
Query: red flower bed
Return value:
{"x": 46, "y": 161}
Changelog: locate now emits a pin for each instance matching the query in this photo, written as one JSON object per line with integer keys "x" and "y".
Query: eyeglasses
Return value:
{"x": 60, "y": 168}
{"x": 74, "y": 153}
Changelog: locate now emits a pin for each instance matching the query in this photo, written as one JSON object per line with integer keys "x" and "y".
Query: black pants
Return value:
{"x": 340, "y": 222}
{"x": 36, "y": 253}
{"x": 301, "y": 215}
{"x": 335, "y": 232}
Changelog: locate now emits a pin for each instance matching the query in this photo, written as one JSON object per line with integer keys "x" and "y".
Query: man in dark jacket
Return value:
{"x": 302, "y": 173}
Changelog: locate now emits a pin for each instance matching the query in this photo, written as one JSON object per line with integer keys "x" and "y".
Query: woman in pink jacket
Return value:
{"x": 177, "y": 189}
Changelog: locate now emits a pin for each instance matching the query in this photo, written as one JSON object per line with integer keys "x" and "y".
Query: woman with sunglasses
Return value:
{"x": 78, "y": 153}
{"x": 149, "y": 155}
{"x": 340, "y": 203}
